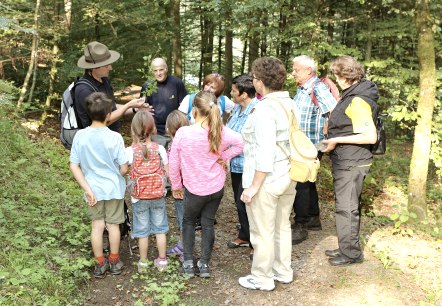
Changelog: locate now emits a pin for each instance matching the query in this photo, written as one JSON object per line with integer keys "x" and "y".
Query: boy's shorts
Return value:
{"x": 149, "y": 218}
{"x": 111, "y": 211}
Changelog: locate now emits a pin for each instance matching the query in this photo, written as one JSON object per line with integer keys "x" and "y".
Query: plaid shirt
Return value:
{"x": 236, "y": 123}
{"x": 312, "y": 116}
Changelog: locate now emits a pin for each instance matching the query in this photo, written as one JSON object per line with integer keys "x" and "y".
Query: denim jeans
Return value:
{"x": 206, "y": 207}
{"x": 149, "y": 218}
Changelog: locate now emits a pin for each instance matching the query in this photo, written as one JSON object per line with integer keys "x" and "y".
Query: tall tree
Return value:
{"x": 24, "y": 88}
{"x": 417, "y": 195}
{"x": 176, "y": 42}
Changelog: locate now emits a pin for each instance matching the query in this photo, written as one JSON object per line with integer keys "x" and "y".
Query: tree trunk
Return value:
{"x": 220, "y": 49}
{"x": 369, "y": 44}
{"x": 68, "y": 14}
{"x": 52, "y": 76}
{"x": 34, "y": 73}
{"x": 229, "y": 56}
{"x": 417, "y": 183}
{"x": 208, "y": 50}
{"x": 33, "y": 55}
{"x": 176, "y": 43}
{"x": 253, "y": 47}
{"x": 244, "y": 54}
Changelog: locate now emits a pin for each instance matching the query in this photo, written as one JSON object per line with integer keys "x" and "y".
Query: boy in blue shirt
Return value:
{"x": 98, "y": 163}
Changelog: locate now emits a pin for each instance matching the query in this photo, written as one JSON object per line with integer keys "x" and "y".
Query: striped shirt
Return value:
{"x": 192, "y": 165}
{"x": 267, "y": 125}
{"x": 312, "y": 118}
{"x": 236, "y": 123}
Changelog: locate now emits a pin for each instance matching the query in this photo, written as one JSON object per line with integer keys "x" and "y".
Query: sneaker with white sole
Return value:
{"x": 204, "y": 270}
{"x": 161, "y": 264}
{"x": 143, "y": 266}
{"x": 282, "y": 280}
{"x": 251, "y": 282}
{"x": 188, "y": 269}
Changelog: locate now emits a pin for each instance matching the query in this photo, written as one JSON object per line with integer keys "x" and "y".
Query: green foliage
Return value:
{"x": 400, "y": 219}
{"x": 162, "y": 288}
{"x": 45, "y": 231}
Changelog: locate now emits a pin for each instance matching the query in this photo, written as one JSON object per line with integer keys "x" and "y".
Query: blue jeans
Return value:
{"x": 150, "y": 218}
{"x": 206, "y": 207}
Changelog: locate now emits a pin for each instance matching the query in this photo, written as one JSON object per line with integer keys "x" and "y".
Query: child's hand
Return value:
{"x": 223, "y": 163}
{"x": 91, "y": 199}
{"x": 178, "y": 194}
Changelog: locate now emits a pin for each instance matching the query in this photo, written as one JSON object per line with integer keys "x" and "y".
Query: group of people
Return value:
{"x": 185, "y": 137}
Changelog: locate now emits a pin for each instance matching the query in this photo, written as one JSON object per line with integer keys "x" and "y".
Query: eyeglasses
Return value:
{"x": 215, "y": 74}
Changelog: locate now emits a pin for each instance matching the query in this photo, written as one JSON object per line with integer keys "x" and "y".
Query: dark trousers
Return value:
{"x": 244, "y": 232}
{"x": 348, "y": 187}
{"x": 206, "y": 207}
{"x": 306, "y": 203}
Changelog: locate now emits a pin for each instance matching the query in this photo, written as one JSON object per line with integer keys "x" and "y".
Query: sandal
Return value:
{"x": 237, "y": 243}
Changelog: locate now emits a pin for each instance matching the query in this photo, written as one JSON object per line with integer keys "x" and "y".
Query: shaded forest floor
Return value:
{"x": 399, "y": 269}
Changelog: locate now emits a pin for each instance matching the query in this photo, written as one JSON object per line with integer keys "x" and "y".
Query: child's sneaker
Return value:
{"x": 181, "y": 258}
{"x": 100, "y": 270}
{"x": 116, "y": 267}
{"x": 175, "y": 250}
{"x": 143, "y": 266}
{"x": 188, "y": 269}
{"x": 161, "y": 264}
{"x": 204, "y": 269}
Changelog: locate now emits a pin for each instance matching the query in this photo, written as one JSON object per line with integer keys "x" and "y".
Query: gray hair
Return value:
{"x": 158, "y": 62}
{"x": 305, "y": 60}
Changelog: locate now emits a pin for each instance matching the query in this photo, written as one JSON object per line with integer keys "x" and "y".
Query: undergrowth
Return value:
{"x": 44, "y": 227}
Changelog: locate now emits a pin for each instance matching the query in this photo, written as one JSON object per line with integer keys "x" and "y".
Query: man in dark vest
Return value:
{"x": 170, "y": 92}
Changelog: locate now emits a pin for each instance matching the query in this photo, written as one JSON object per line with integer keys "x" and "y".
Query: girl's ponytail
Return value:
{"x": 207, "y": 106}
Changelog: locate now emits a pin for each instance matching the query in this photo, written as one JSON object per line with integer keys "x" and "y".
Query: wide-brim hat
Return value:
{"x": 97, "y": 55}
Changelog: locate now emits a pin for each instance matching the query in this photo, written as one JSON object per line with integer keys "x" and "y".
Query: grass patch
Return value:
{"x": 45, "y": 230}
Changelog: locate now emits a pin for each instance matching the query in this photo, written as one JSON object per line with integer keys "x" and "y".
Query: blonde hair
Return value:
{"x": 174, "y": 121}
{"x": 206, "y": 105}
{"x": 142, "y": 128}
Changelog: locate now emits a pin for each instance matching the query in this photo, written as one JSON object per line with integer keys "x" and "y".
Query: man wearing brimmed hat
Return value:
{"x": 97, "y": 62}
{"x": 170, "y": 93}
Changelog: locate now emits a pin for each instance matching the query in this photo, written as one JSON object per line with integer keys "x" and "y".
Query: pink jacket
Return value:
{"x": 192, "y": 165}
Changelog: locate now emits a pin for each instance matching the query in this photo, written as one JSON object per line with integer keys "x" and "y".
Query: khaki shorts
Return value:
{"x": 111, "y": 211}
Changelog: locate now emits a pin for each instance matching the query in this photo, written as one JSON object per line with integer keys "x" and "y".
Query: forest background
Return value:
{"x": 399, "y": 42}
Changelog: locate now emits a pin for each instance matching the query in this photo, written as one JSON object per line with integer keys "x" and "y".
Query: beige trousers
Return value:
{"x": 270, "y": 232}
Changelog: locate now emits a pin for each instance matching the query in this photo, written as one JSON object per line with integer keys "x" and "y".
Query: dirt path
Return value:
{"x": 316, "y": 282}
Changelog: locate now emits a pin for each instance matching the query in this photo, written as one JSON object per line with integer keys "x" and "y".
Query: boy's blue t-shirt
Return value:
{"x": 100, "y": 152}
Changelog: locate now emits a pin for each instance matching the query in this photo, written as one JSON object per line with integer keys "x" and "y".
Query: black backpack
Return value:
{"x": 69, "y": 123}
{"x": 380, "y": 146}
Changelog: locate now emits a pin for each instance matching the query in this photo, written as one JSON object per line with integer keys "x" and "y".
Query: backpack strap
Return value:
{"x": 223, "y": 104}
{"x": 77, "y": 82}
{"x": 189, "y": 110}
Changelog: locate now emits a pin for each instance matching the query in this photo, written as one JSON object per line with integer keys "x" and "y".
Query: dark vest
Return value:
{"x": 351, "y": 155}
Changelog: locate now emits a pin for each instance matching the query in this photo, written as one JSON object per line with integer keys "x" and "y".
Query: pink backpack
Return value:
{"x": 147, "y": 175}
{"x": 330, "y": 85}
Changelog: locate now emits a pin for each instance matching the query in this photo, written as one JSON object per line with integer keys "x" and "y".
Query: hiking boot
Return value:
{"x": 314, "y": 224}
{"x": 116, "y": 267}
{"x": 100, "y": 270}
{"x": 161, "y": 264}
{"x": 332, "y": 253}
{"x": 143, "y": 266}
{"x": 175, "y": 250}
{"x": 204, "y": 270}
{"x": 299, "y": 234}
{"x": 251, "y": 282}
{"x": 188, "y": 269}
{"x": 237, "y": 243}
